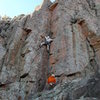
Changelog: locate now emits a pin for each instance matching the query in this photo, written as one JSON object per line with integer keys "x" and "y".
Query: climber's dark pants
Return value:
{"x": 47, "y": 45}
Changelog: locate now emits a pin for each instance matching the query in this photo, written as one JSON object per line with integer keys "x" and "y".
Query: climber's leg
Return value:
{"x": 48, "y": 48}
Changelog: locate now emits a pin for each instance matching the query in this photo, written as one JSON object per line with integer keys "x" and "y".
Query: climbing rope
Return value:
{"x": 49, "y": 61}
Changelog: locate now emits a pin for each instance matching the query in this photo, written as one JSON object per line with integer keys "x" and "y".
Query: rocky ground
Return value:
{"x": 74, "y": 26}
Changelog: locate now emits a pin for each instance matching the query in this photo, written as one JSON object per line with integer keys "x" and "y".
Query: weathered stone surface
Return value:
{"x": 78, "y": 89}
{"x": 74, "y": 55}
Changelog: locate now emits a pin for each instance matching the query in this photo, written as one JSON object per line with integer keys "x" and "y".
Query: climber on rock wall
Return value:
{"x": 47, "y": 42}
{"x": 51, "y": 80}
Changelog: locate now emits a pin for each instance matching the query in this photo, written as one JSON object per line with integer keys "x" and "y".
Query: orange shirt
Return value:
{"x": 51, "y": 79}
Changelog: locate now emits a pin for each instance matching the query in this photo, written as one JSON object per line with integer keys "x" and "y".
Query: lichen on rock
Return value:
{"x": 74, "y": 55}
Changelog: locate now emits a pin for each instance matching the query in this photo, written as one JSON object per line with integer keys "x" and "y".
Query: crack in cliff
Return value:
{"x": 3, "y": 60}
{"x": 2, "y": 63}
{"x": 4, "y": 85}
{"x": 92, "y": 5}
{"x": 91, "y": 47}
{"x": 93, "y": 60}
{"x": 25, "y": 21}
{"x": 89, "y": 35}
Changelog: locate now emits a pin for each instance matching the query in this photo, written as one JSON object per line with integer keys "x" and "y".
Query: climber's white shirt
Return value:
{"x": 48, "y": 39}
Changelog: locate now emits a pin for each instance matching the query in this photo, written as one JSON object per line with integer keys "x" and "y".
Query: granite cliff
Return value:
{"x": 74, "y": 26}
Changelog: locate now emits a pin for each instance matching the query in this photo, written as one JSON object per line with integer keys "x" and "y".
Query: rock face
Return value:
{"x": 74, "y": 55}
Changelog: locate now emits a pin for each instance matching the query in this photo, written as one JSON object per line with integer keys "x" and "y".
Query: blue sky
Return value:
{"x": 16, "y": 7}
